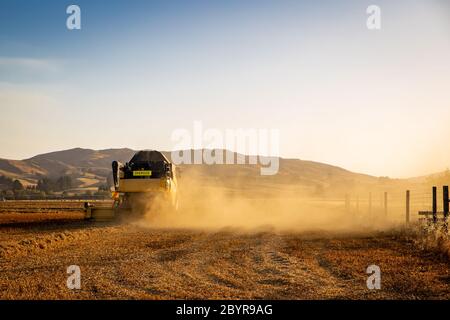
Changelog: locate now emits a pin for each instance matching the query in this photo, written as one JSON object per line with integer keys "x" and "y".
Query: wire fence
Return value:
{"x": 397, "y": 205}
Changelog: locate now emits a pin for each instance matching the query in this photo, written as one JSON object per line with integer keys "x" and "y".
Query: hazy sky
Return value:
{"x": 376, "y": 102}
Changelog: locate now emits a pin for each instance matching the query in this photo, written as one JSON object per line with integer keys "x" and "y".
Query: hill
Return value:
{"x": 90, "y": 168}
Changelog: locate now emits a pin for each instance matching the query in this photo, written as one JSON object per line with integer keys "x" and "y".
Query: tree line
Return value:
{"x": 10, "y": 184}
{"x": 60, "y": 184}
{"x": 45, "y": 184}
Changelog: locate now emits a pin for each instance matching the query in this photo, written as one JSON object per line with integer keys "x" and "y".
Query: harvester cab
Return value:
{"x": 148, "y": 177}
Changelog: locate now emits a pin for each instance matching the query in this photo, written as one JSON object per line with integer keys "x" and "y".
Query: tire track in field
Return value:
{"x": 127, "y": 261}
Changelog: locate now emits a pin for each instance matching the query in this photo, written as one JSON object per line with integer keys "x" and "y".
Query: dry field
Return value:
{"x": 129, "y": 261}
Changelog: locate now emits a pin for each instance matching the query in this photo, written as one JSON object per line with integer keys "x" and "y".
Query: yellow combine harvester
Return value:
{"x": 148, "y": 177}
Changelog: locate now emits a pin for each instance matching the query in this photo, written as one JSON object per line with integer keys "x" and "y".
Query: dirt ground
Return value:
{"x": 126, "y": 261}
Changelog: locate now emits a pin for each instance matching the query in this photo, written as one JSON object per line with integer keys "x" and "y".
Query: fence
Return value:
{"x": 399, "y": 206}
{"x": 433, "y": 216}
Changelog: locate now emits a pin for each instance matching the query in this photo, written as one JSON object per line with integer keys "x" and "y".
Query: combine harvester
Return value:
{"x": 148, "y": 177}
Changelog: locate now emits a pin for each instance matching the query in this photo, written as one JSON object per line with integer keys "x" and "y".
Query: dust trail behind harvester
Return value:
{"x": 216, "y": 206}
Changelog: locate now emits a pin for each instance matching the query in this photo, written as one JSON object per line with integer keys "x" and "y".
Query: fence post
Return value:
{"x": 445, "y": 206}
{"x": 385, "y": 203}
{"x": 408, "y": 199}
{"x": 357, "y": 205}
{"x": 434, "y": 205}
{"x": 347, "y": 203}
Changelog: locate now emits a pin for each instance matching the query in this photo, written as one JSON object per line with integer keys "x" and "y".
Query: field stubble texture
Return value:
{"x": 129, "y": 261}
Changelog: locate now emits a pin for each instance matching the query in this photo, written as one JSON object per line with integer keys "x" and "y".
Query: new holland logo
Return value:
{"x": 142, "y": 173}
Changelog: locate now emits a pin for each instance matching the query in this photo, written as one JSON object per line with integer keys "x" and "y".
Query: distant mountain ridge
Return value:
{"x": 90, "y": 169}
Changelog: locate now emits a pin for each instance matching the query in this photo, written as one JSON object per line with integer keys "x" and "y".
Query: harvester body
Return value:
{"x": 148, "y": 177}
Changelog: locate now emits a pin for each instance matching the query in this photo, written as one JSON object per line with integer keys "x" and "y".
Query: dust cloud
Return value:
{"x": 214, "y": 206}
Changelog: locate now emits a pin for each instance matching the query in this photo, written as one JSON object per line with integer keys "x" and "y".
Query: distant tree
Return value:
{"x": 45, "y": 184}
{"x": 6, "y": 183}
{"x": 9, "y": 194}
{"x": 63, "y": 183}
{"x": 20, "y": 194}
{"x": 104, "y": 187}
{"x": 17, "y": 185}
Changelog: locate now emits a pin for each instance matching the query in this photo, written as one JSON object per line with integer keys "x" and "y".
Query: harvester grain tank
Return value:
{"x": 148, "y": 177}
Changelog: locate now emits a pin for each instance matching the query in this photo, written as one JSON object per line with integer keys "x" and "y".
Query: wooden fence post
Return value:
{"x": 385, "y": 203}
{"x": 357, "y": 205}
{"x": 408, "y": 199}
{"x": 434, "y": 205}
{"x": 445, "y": 206}
{"x": 347, "y": 203}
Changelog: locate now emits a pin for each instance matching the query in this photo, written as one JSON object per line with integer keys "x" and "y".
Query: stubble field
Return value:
{"x": 130, "y": 260}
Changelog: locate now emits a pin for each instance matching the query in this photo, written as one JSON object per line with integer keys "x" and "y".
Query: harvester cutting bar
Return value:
{"x": 92, "y": 212}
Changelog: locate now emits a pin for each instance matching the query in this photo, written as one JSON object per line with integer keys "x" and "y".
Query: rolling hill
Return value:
{"x": 90, "y": 169}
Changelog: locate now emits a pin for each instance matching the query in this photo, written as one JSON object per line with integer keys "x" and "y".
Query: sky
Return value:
{"x": 371, "y": 101}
